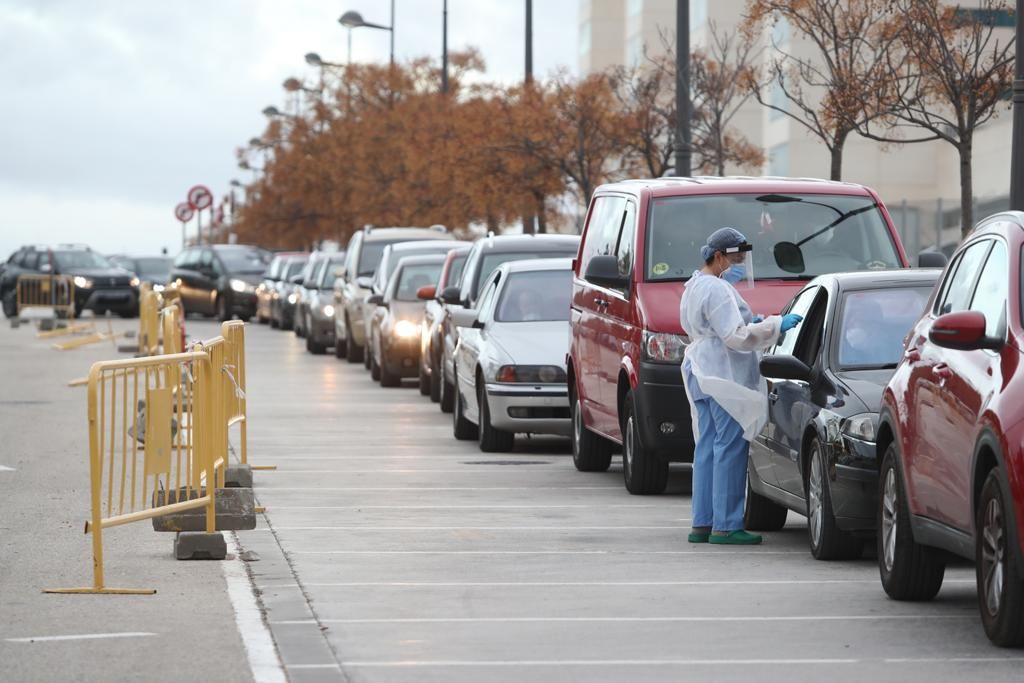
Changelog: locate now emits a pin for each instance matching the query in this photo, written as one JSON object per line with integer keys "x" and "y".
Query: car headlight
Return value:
{"x": 135, "y": 282}
{"x": 863, "y": 426}
{"x": 292, "y": 298}
{"x": 82, "y": 282}
{"x": 328, "y": 311}
{"x": 663, "y": 347}
{"x": 530, "y": 374}
{"x": 240, "y": 286}
{"x": 406, "y": 329}
{"x": 158, "y": 288}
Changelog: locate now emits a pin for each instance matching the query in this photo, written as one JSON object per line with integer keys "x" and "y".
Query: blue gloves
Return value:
{"x": 789, "y": 321}
{"x": 757, "y": 319}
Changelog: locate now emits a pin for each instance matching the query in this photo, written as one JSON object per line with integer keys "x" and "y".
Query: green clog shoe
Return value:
{"x": 739, "y": 537}
{"x": 698, "y": 536}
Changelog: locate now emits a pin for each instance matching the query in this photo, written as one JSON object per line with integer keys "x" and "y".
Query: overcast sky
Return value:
{"x": 112, "y": 109}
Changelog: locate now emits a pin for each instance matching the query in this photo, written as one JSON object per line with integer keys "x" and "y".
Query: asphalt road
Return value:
{"x": 404, "y": 555}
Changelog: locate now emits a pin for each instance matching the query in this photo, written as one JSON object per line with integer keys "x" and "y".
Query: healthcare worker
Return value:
{"x": 728, "y": 397}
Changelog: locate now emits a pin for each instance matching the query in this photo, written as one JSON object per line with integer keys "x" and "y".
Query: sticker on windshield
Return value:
{"x": 660, "y": 268}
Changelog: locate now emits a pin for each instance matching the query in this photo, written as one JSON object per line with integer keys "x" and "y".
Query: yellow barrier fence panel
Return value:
{"x": 78, "y": 342}
{"x": 149, "y": 323}
{"x": 66, "y": 330}
{"x": 150, "y": 446}
{"x": 55, "y": 292}
{"x": 235, "y": 397}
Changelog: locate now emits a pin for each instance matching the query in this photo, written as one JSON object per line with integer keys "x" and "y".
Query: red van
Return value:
{"x": 641, "y": 243}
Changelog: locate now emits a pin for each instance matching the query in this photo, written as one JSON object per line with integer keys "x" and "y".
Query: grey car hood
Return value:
{"x": 533, "y": 343}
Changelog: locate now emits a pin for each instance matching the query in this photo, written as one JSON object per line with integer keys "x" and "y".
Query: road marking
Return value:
{"x": 549, "y": 552}
{"x": 259, "y": 644}
{"x": 462, "y": 507}
{"x": 952, "y": 660}
{"x": 367, "y": 527}
{"x": 82, "y": 636}
{"x": 571, "y": 584}
{"x": 466, "y": 470}
{"x": 593, "y": 662}
{"x": 6, "y": 469}
{"x": 313, "y": 666}
{"x": 440, "y": 488}
{"x": 574, "y": 620}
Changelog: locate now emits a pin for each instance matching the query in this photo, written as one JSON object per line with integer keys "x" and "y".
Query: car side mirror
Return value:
{"x": 45, "y": 268}
{"x": 603, "y": 271}
{"x": 451, "y": 295}
{"x": 426, "y": 292}
{"x": 931, "y": 259}
{"x": 364, "y": 281}
{"x": 295, "y": 279}
{"x": 785, "y": 367}
{"x": 789, "y": 257}
{"x": 375, "y": 300}
{"x": 963, "y": 331}
{"x": 465, "y": 317}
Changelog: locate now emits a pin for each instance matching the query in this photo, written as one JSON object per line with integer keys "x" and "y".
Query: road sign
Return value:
{"x": 200, "y": 197}
{"x": 183, "y": 212}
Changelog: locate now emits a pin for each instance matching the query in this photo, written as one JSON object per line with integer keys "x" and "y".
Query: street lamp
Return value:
{"x": 352, "y": 19}
{"x": 272, "y": 111}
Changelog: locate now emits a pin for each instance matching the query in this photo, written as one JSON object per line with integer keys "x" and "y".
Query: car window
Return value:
{"x": 812, "y": 329}
{"x": 72, "y": 260}
{"x": 624, "y": 248}
{"x": 370, "y": 256}
{"x": 535, "y": 296}
{"x": 314, "y": 276}
{"x": 800, "y": 305}
{"x": 833, "y": 233}
{"x": 992, "y": 290}
{"x": 414, "y": 276}
{"x": 602, "y": 232}
{"x": 959, "y": 285}
{"x": 455, "y": 270}
{"x": 330, "y": 272}
{"x": 242, "y": 260}
{"x": 293, "y": 268}
{"x": 30, "y": 260}
{"x": 491, "y": 261}
{"x": 152, "y": 266}
{"x": 874, "y": 323}
{"x": 182, "y": 259}
{"x": 483, "y": 306}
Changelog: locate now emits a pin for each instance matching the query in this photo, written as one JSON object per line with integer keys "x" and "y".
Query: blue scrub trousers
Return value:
{"x": 719, "y": 469}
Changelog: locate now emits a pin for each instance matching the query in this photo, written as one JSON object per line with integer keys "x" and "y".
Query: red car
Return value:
{"x": 951, "y": 435}
{"x": 641, "y": 243}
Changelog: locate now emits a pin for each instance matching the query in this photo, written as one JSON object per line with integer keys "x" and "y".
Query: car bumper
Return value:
{"x": 242, "y": 304}
{"x": 402, "y": 357}
{"x": 322, "y": 330}
{"x": 121, "y": 299}
{"x": 854, "y": 484}
{"x": 533, "y": 409}
{"x": 663, "y": 411}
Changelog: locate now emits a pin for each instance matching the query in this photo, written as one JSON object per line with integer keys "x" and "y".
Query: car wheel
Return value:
{"x": 761, "y": 513}
{"x": 435, "y": 382}
{"x": 909, "y": 571}
{"x": 590, "y": 452}
{"x": 1000, "y": 590}
{"x": 492, "y": 440}
{"x": 313, "y": 347}
{"x": 447, "y": 394}
{"x": 353, "y": 352}
{"x": 374, "y": 368}
{"x": 463, "y": 429}
{"x": 827, "y": 540}
{"x": 274, "y": 324}
{"x": 340, "y": 349}
{"x": 387, "y": 377}
{"x": 222, "y": 308}
{"x": 424, "y": 381}
{"x": 11, "y": 303}
{"x": 368, "y": 354}
{"x": 643, "y": 469}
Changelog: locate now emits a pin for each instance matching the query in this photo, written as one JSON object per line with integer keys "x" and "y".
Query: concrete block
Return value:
{"x": 238, "y": 476}
{"x": 15, "y": 323}
{"x": 47, "y": 324}
{"x": 128, "y": 348}
{"x": 197, "y": 545}
{"x": 236, "y": 511}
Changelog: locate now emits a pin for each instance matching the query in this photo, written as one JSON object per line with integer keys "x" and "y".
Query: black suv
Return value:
{"x": 100, "y": 286}
{"x": 220, "y": 279}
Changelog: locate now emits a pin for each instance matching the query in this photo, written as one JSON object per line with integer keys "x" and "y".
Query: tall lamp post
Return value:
{"x": 683, "y": 88}
{"x": 444, "y": 48}
{"x": 352, "y": 19}
{"x": 1017, "y": 153}
{"x": 529, "y": 41}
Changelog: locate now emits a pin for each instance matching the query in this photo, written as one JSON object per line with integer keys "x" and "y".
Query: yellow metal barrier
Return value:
{"x": 149, "y": 322}
{"x": 46, "y": 291}
{"x": 88, "y": 339}
{"x": 155, "y": 427}
{"x": 66, "y": 330}
{"x": 170, "y": 326}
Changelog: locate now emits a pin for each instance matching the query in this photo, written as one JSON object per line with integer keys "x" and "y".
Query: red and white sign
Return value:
{"x": 200, "y": 197}
{"x": 183, "y": 212}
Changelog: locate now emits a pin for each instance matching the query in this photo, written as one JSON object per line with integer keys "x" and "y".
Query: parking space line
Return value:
{"x": 441, "y": 488}
{"x": 462, "y": 507}
{"x": 952, "y": 660}
{"x": 573, "y": 584}
{"x": 629, "y": 620}
{"x": 312, "y": 666}
{"x": 593, "y": 662}
{"x": 81, "y": 636}
{"x": 369, "y": 527}
{"x": 256, "y": 638}
{"x": 549, "y": 552}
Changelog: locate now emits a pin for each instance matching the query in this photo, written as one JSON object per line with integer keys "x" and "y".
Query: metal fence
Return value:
{"x": 935, "y": 223}
{"x": 55, "y": 292}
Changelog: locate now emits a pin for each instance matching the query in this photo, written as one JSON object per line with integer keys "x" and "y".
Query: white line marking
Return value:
{"x": 547, "y": 552}
{"x": 952, "y": 660}
{"x": 259, "y": 644}
{"x": 466, "y": 470}
{"x": 313, "y": 666}
{"x": 570, "y": 584}
{"x": 6, "y": 469}
{"x": 367, "y": 527}
{"x": 696, "y": 620}
{"x": 459, "y": 507}
{"x": 594, "y": 662}
{"x": 83, "y": 636}
{"x": 440, "y": 488}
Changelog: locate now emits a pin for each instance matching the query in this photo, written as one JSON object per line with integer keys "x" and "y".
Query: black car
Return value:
{"x": 100, "y": 285}
{"x": 485, "y": 255}
{"x": 825, "y": 379}
{"x": 220, "y": 279}
{"x": 155, "y": 270}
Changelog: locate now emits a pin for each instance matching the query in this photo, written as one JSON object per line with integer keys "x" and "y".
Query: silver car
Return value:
{"x": 319, "y": 323}
{"x": 510, "y": 374}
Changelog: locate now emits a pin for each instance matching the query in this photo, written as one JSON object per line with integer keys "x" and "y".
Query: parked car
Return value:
{"x": 220, "y": 279}
{"x": 100, "y": 285}
{"x": 307, "y": 291}
{"x": 397, "y": 319}
{"x": 290, "y": 291}
{"x": 268, "y": 288}
{"x": 363, "y": 254}
{"x": 510, "y": 358}
{"x": 389, "y": 259}
{"x": 433, "y": 323}
{"x": 816, "y": 456}
{"x": 951, "y": 435}
{"x": 485, "y": 255}
{"x": 319, "y": 323}
{"x": 641, "y": 242}
{"x": 155, "y": 270}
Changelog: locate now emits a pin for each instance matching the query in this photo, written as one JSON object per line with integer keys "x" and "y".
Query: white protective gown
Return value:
{"x": 725, "y": 349}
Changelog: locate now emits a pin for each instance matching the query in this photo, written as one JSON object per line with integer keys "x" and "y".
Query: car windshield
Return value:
{"x": 243, "y": 260}
{"x": 833, "y": 233}
{"x": 455, "y": 271}
{"x": 152, "y": 266}
{"x": 413, "y": 277}
{"x": 333, "y": 268}
{"x": 369, "y": 257}
{"x": 874, "y": 323}
{"x": 80, "y": 259}
{"x": 293, "y": 268}
{"x": 534, "y": 296}
{"x": 492, "y": 261}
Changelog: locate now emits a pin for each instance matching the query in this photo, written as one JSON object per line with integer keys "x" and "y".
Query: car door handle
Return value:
{"x": 601, "y": 302}
{"x": 942, "y": 371}
{"x": 773, "y": 396}
{"x": 913, "y": 354}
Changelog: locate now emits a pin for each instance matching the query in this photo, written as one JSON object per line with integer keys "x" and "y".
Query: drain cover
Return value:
{"x": 507, "y": 462}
